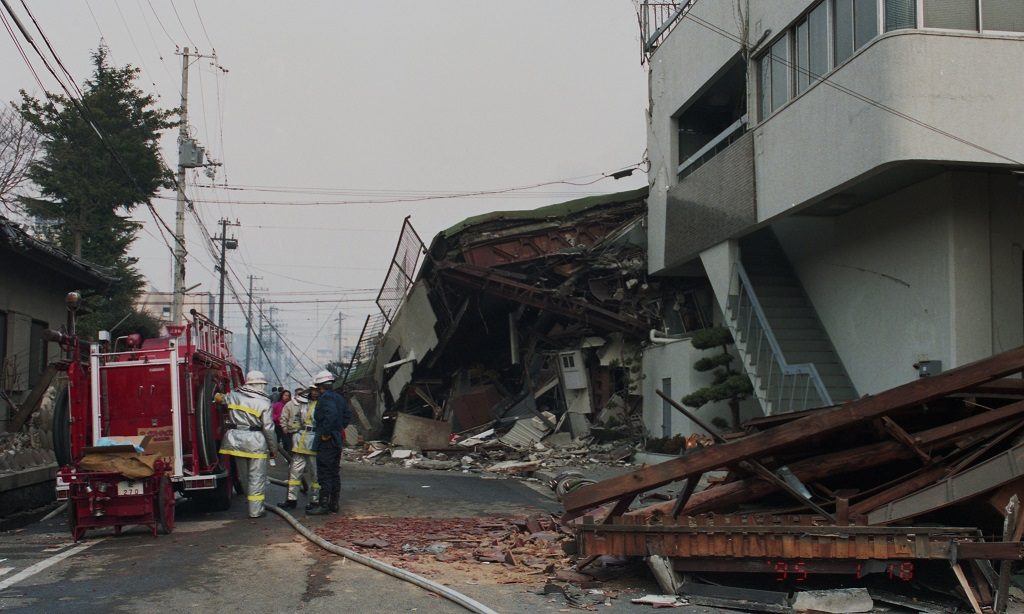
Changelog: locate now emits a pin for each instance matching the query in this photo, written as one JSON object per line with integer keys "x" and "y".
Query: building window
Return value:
{"x": 865, "y": 22}
{"x": 817, "y": 23}
{"x": 780, "y": 72}
{"x": 802, "y": 57}
{"x": 37, "y": 353}
{"x": 712, "y": 122}
{"x": 842, "y": 23}
{"x": 1002, "y": 15}
{"x": 951, "y": 14}
{"x": 568, "y": 362}
{"x": 774, "y": 77}
{"x": 900, "y": 14}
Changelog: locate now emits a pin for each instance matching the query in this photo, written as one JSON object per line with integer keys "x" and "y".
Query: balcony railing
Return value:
{"x": 657, "y": 20}
{"x": 715, "y": 145}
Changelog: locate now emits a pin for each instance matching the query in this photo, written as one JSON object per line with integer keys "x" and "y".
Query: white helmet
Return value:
{"x": 255, "y": 377}
{"x": 323, "y": 377}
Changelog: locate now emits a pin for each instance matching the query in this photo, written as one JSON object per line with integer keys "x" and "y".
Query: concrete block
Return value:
{"x": 838, "y": 601}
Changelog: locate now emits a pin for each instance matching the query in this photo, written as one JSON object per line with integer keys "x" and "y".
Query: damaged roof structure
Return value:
{"x": 537, "y": 314}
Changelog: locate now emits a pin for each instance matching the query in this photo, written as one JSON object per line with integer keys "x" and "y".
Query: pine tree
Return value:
{"x": 89, "y": 186}
{"x": 728, "y": 384}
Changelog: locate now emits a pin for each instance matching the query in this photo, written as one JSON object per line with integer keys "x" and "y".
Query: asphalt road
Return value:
{"x": 226, "y": 562}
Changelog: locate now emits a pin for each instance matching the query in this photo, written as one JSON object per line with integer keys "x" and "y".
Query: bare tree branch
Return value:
{"x": 19, "y": 143}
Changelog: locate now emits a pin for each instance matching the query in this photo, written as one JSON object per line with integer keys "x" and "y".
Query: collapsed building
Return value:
{"x": 507, "y": 315}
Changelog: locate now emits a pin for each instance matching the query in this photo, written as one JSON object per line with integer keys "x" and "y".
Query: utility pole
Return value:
{"x": 190, "y": 155}
{"x": 225, "y": 244}
{"x": 248, "y": 325}
{"x": 259, "y": 337}
{"x": 341, "y": 345}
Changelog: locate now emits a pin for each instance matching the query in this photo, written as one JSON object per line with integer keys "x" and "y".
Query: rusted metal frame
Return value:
{"x": 821, "y": 530}
{"x": 900, "y": 435}
{"x": 816, "y": 424}
{"x": 750, "y": 465}
{"x": 785, "y": 567}
{"x": 496, "y": 284}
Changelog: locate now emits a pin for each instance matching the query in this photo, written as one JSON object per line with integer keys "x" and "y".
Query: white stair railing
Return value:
{"x": 780, "y": 386}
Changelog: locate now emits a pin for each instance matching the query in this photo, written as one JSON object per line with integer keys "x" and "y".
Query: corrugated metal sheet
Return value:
{"x": 527, "y": 432}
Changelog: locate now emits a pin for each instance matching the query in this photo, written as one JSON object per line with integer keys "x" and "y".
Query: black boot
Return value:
{"x": 332, "y": 505}
{"x": 312, "y": 506}
{"x": 289, "y": 504}
{"x": 321, "y": 509}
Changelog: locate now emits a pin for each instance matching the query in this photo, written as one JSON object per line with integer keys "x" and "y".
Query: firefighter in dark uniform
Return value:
{"x": 330, "y": 419}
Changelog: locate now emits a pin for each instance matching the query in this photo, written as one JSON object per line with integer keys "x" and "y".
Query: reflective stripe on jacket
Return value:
{"x": 303, "y": 438}
{"x": 248, "y": 410}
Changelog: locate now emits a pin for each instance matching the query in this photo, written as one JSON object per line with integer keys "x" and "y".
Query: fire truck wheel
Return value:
{"x": 62, "y": 428}
{"x": 165, "y": 506}
{"x": 207, "y": 445}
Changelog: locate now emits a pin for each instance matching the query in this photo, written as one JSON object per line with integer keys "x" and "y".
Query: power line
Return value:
{"x": 162, "y": 26}
{"x": 21, "y": 51}
{"x": 443, "y": 196}
{"x": 182, "y": 24}
{"x": 203, "y": 25}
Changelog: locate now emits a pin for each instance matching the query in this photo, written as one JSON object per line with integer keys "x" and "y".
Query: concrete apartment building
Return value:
{"x": 844, "y": 174}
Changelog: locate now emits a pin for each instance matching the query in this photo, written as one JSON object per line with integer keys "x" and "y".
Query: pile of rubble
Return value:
{"x": 522, "y": 550}
{"x": 522, "y": 450}
{"x": 918, "y": 487}
{"x": 31, "y": 446}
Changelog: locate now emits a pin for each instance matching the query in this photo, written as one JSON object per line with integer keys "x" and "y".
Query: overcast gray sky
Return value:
{"x": 363, "y": 101}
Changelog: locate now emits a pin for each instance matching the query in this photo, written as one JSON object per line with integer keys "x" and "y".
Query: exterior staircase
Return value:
{"x": 784, "y": 348}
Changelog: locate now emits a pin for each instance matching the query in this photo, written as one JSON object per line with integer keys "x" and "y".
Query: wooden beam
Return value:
{"x": 1009, "y": 528}
{"x": 900, "y": 435}
{"x": 748, "y": 465}
{"x": 966, "y": 586}
{"x": 684, "y": 496}
{"x": 34, "y": 397}
{"x": 828, "y": 421}
{"x": 833, "y": 463}
{"x": 909, "y": 486}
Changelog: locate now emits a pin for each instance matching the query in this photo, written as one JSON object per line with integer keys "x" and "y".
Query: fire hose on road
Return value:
{"x": 452, "y": 595}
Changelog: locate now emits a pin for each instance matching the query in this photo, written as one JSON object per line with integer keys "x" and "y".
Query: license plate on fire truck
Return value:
{"x": 129, "y": 487}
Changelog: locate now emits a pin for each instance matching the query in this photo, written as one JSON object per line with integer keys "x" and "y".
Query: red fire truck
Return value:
{"x": 161, "y": 389}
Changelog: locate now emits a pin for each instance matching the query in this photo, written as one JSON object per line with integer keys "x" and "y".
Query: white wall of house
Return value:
{"x": 929, "y": 272}
{"x": 672, "y": 364}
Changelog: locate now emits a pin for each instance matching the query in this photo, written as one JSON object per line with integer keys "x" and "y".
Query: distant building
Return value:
{"x": 845, "y": 175}
{"x": 158, "y": 304}
{"x": 35, "y": 277}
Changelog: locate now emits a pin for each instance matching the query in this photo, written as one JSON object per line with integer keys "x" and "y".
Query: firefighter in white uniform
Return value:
{"x": 250, "y": 438}
{"x": 297, "y": 420}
